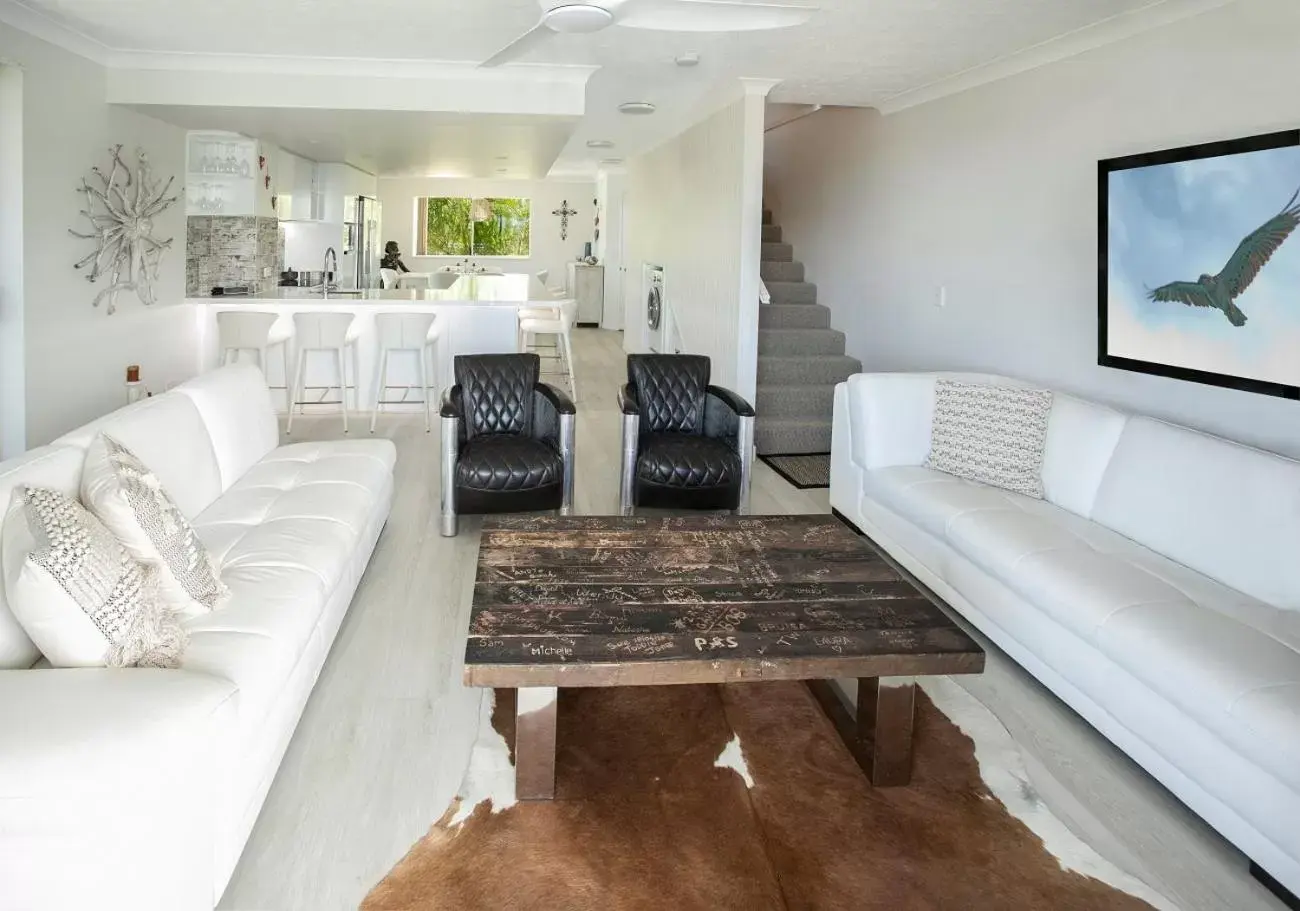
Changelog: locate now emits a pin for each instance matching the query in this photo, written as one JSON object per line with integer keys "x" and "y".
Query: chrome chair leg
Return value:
{"x": 450, "y": 440}
{"x": 745, "y": 446}
{"x": 567, "y": 422}
{"x": 627, "y": 471}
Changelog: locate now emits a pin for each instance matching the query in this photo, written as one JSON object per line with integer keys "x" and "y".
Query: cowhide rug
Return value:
{"x": 743, "y": 797}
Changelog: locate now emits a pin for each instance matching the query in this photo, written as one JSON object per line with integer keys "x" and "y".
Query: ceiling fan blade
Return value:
{"x": 710, "y": 15}
{"x": 530, "y": 39}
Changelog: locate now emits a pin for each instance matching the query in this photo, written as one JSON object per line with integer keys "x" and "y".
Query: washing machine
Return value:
{"x": 654, "y": 307}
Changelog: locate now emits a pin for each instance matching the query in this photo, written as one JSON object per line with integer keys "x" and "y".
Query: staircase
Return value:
{"x": 800, "y": 357}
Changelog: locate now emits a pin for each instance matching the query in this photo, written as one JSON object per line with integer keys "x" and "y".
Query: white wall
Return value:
{"x": 694, "y": 207}
{"x": 398, "y": 195}
{"x": 13, "y": 376}
{"x": 611, "y": 191}
{"x": 993, "y": 193}
{"x": 75, "y": 355}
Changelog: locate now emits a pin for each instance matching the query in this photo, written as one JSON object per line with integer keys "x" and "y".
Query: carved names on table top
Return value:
{"x": 572, "y": 590}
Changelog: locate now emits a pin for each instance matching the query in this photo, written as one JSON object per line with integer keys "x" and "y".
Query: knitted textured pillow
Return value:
{"x": 77, "y": 593}
{"x": 992, "y": 434}
{"x": 126, "y": 496}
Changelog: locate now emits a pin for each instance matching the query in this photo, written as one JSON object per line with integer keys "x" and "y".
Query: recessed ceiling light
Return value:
{"x": 501, "y": 170}
{"x": 599, "y": 144}
{"x": 577, "y": 18}
{"x": 636, "y": 107}
{"x": 503, "y": 158}
{"x": 611, "y": 161}
{"x": 690, "y": 58}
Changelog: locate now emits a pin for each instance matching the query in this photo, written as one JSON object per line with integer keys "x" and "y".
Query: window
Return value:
{"x": 458, "y": 226}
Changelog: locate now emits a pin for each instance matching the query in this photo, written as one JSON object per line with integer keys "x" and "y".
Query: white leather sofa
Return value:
{"x": 137, "y": 788}
{"x": 1155, "y": 589}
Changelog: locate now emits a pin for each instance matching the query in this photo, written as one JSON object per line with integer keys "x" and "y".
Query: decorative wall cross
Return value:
{"x": 564, "y": 211}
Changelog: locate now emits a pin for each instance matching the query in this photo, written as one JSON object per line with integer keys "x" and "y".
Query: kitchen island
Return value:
{"x": 476, "y": 314}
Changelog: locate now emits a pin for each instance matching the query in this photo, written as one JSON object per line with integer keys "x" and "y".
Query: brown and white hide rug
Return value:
{"x": 743, "y": 797}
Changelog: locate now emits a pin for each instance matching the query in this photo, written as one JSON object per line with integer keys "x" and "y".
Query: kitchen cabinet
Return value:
{"x": 221, "y": 174}
{"x": 586, "y": 285}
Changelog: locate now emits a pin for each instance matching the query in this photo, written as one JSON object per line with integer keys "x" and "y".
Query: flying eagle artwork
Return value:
{"x": 1220, "y": 291}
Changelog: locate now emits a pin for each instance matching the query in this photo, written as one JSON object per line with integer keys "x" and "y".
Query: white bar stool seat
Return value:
{"x": 325, "y": 331}
{"x": 257, "y": 331}
{"x": 415, "y": 333}
{"x": 559, "y": 323}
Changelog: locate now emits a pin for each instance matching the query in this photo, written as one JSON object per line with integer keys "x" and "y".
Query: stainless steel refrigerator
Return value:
{"x": 365, "y": 241}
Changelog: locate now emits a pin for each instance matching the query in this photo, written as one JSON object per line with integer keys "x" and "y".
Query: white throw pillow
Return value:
{"x": 127, "y": 497}
{"x": 77, "y": 593}
{"x": 992, "y": 434}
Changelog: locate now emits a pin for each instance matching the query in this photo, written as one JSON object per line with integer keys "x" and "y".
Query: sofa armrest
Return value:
{"x": 122, "y": 770}
{"x": 888, "y": 418}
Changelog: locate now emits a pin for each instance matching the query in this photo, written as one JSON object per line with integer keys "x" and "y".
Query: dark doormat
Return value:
{"x": 803, "y": 471}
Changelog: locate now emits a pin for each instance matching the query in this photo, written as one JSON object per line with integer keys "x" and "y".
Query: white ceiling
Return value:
{"x": 394, "y": 143}
{"x": 852, "y": 52}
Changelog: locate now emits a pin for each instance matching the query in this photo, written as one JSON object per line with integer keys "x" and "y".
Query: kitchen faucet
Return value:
{"x": 331, "y": 266}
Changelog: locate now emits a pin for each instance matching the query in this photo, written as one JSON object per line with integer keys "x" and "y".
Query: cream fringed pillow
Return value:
{"x": 992, "y": 434}
{"x": 126, "y": 496}
{"x": 77, "y": 593}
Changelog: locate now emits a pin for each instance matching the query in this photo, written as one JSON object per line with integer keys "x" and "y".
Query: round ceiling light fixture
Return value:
{"x": 599, "y": 144}
{"x": 577, "y": 18}
{"x": 636, "y": 107}
{"x": 689, "y": 59}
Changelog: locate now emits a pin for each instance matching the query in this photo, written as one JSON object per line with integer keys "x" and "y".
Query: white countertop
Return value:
{"x": 512, "y": 290}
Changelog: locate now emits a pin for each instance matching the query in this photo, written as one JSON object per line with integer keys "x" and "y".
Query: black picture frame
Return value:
{"x": 1106, "y": 167}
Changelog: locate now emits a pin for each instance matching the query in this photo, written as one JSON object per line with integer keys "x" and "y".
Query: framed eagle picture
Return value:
{"x": 1199, "y": 263}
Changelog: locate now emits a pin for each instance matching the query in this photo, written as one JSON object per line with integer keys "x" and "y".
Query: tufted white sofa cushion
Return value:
{"x": 283, "y": 536}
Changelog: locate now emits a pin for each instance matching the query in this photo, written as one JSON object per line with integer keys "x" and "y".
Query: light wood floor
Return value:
{"x": 385, "y": 739}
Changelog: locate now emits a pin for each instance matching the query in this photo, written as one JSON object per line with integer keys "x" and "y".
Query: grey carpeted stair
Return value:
{"x": 794, "y": 316}
{"x": 781, "y": 272}
{"x": 792, "y": 292}
{"x": 777, "y": 253}
{"x": 800, "y": 341}
{"x": 800, "y": 357}
{"x": 787, "y": 436}
{"x": 795, "y": 400}
{"x": 806, "y": 371}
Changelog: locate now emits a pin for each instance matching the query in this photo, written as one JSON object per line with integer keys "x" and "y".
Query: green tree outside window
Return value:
{"x": 457, "y": 226}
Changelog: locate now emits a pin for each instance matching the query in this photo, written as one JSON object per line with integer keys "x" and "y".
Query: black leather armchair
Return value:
{"x": 686, "y": 444}
{"x": 507, "y": 439}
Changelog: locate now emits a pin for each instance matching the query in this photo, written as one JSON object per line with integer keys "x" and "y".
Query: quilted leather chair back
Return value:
{"x": 671, "y": 390}
{"x": 497, "y": 392}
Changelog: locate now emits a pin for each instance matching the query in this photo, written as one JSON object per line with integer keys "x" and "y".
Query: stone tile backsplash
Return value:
{"x": 232, "y": 250}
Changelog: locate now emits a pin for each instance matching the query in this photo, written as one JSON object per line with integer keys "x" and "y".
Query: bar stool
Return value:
{"x": 415, "y": 333}
{"x": 256, "y": 331}
{"x": 559, "y": 323}
{"x": 324, "y": 330}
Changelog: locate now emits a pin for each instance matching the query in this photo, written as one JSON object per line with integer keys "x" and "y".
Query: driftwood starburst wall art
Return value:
{"x": 121, "y": 207}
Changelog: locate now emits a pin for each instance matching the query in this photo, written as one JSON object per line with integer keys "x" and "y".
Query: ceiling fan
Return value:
{"x": 663, "y": 15}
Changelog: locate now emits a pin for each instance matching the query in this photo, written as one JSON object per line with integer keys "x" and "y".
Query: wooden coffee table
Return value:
{"x": 632, "y": 601}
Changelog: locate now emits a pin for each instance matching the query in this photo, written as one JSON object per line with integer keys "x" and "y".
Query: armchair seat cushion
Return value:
{"x": 682, "y": 460}
{"x": 502, "y": 463}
